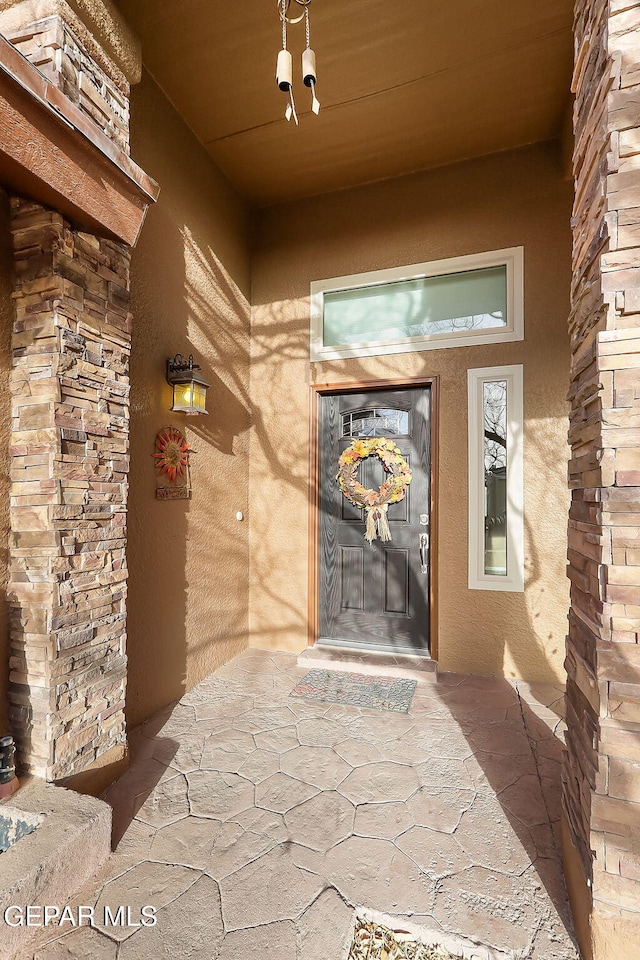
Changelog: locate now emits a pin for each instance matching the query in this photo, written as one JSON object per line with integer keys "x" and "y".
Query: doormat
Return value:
{"x": 372, "y": 941}
{"x": 357, "y": 689}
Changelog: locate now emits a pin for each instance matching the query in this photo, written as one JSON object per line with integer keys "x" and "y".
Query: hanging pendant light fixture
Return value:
{"x": 284, "y": 66}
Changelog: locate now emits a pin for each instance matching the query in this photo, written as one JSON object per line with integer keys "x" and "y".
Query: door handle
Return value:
{"x": 424, "y": 552}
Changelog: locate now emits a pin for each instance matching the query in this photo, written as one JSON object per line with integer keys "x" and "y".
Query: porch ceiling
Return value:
{"x": 403, "y": 86}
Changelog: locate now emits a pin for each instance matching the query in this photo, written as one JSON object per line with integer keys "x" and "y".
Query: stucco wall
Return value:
{"x": 510, "y": 199}
{"x": 6, "y": 323}
{"x": 188, "y": 560}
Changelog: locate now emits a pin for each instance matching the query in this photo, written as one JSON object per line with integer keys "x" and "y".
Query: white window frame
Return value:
{"x": 512, "y": 258}
{"x": 478, "y": 579}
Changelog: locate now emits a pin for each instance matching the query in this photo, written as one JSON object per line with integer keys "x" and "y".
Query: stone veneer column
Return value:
{"x": 70, "y": 409}
{"x": 601, "y": 792}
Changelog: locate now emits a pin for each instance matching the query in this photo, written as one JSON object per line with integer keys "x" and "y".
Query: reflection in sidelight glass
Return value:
{"x": 494, "y": 415}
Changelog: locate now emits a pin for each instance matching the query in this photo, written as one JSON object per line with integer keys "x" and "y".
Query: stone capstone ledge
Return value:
{"x": 97, "y": 23}
{"x": 114, "y": 33}
{"x": 50, "y": 865}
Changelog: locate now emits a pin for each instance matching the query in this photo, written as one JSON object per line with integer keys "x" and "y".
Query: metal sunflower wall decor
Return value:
{"x": 173, "y": 481}
{"x": 284, "y": 67}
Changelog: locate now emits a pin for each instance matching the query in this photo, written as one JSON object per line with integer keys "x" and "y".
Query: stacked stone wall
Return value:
{"x": 69, "y": 465}
{"x": 602, "y": 772}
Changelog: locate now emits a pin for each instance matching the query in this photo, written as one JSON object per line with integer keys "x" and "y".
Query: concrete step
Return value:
{"x": 369, "y": 663}
{"x": 70, "y": 842}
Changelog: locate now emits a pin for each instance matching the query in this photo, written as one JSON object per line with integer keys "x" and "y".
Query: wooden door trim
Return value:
{"x": 317, "y": 392}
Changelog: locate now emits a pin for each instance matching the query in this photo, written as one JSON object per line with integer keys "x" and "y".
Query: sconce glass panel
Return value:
{"x": 189, "y": 397}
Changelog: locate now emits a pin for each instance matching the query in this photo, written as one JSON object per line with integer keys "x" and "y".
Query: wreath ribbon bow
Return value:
{"x": 377, "y": 523}
{"x": 376, "y": 503}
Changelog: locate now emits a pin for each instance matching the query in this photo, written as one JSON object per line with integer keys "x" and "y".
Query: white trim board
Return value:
{"x": 511, "y": 257}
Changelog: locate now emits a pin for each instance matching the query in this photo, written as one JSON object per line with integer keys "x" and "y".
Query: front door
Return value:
{"x": 375, "y": 596}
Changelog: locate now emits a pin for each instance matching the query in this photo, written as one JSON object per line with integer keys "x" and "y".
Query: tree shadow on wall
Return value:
{"x": 227, "y": 350}
{"x": 157, "y": 531}
{"x": 188, "y": 559}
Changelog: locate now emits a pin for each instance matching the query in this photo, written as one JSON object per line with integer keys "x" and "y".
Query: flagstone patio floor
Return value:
{"x": 256, "y": 822}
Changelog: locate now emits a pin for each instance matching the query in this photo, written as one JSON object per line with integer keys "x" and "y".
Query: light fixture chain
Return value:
{"x": 284, "y": 24}
{"x": 307, "y": 28}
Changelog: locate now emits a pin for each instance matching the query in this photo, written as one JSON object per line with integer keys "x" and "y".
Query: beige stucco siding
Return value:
{"x": 511, "y": 199}
{"x": 188, "y": 560}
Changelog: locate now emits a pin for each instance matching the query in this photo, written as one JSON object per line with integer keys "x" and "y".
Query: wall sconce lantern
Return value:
{"x": 189, "y": 387}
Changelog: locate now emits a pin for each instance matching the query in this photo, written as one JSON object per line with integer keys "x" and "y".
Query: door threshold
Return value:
{"x": 379, "y": 650}
{"x": 327, "y": 656}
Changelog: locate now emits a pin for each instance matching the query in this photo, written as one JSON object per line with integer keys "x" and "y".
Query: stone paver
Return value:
{"x": 525, "y": 799}
{"x": 380, "y": 781}
{"x": 439, "y": 807}
{"x": 257, "y": 721}
{"x": 326, "y": 927}
{"x": 259, "y": 766}
{"x": 273, "y": 939}
{"x": 234, "y": 847}
{"x": 271, "y": 888}
{"x": 189, "y": 842}
{"x": 226, "y": 751}
{"x": 376, "y": 874}
{"x": 321, "y": 822}
{"x": 185, "y": 929}
{"x": 503, "y": 911}
{"x": 281, "y": 793}
{"x": 439, "y": 859}
{"x": 358, "y": 752}
{"x": 184, "y": 756}
{"x": 263, "y": 822}
{"x": 80, "y": 945}
{"x": 147, "y": 883}
{"x": 256, "y": 823}
{"x": 313, "y": 732}
{"x": 318, "y": 766}
{"x": 278, "y": 740}
{"x": 383, "y": 820}
{"x": 487, "y": 836}
{"x": 167, "y": 803}
{"x": 219, "y": 794}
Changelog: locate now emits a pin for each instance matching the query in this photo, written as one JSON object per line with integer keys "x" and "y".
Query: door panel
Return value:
{"x": 352, "y": 562}
{"x": 375, "y": 596}
{"x": 396, "y": 581}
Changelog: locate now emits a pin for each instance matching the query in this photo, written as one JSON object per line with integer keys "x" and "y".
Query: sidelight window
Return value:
{"x": 496, "y": 522}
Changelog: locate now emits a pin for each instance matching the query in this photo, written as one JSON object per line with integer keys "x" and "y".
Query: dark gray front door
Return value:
{"x": 375, "y": 596}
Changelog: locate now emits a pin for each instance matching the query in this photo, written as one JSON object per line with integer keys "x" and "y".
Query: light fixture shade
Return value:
{"x": 189, "y": 387}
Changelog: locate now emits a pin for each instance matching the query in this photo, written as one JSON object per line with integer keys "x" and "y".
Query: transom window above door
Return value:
{"x": 375, "y": 423}
{"x": 476, "y": 299}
